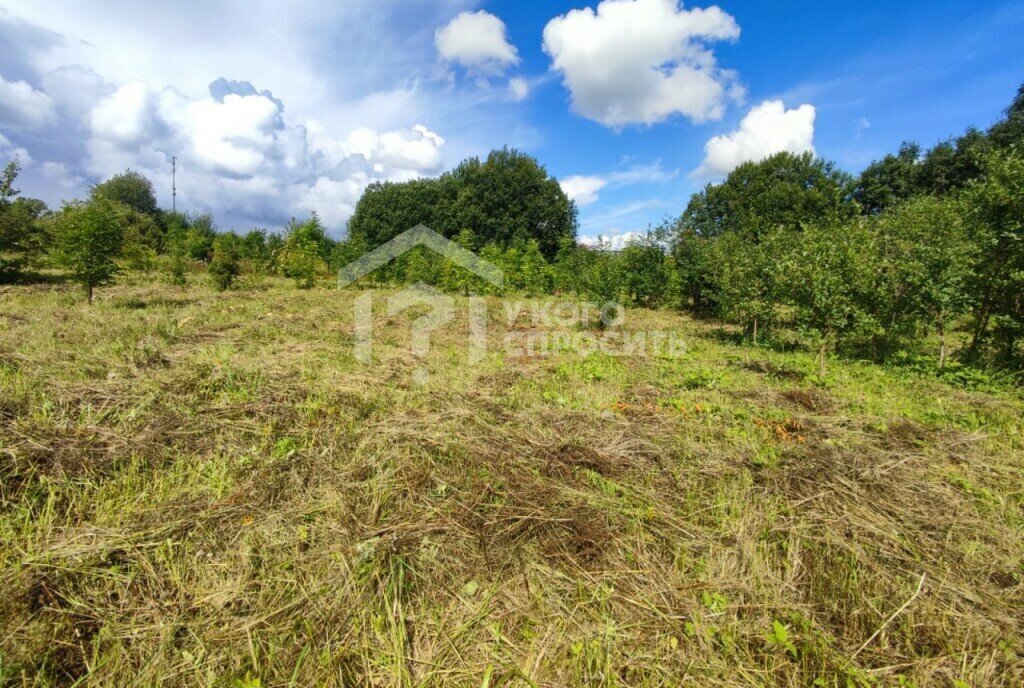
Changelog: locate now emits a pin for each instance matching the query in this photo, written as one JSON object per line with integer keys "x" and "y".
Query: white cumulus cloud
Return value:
{"x": 418, "y": 149}
{"x": 8, "y": 151}
{"x": 126, "y": 115}
{"x": 334, "y": 199}
{"x": 61, "y": 174}
{"x": 767, "y": 129}
{"x": 235, "y": 135}
{"x": 615, "y": 240}
{"x": 349, "y": 82}
{"x": 238, "y": 156}
{"x": 519, "y": 88}
{"x": 582, "y": 189}
{"x": 642, "y": 61}
{"x": 476, "y": 40}
{"x": 75, "y": 89}
{"x": 22, "y": 106}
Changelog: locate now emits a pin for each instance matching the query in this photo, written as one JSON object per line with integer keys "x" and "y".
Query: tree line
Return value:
{"x": 507, "y": 201}
{"x": 923, "y": 251}
{"x": 922, "y": 245}
{"x": 121, "y": 227}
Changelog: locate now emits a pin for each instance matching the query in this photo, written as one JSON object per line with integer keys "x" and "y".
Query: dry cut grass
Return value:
{"x": 207, "y": 489}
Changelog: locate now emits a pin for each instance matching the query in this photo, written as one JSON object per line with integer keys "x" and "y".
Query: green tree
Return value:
{"x": 1009, "y": 131}
{"x": 924, "y": 265}
{"x": 416, "y": 265}
{"x": 824, "y": 282}
{"x": 694, "y": 256}
{"x": 224, "y": 264}
{"x": 783, "y": 190}
{"x": 143, "y": 238}
{"x": 456, "y": 278}
{"x": 177, "y": 251}
{"x": 136, "y": 253}
{"x": 506, "y": 199}
{"x": 525, "y": 268}
{"x": 386, "y": 209}
{"x": 891, "y": 180}
{"x": 952, "y": 165}
{"x": 995, "y": 216}
{"x": 304, "y": 252}
{"x": 311, "y": 233}
{"x": 346, "y": 251}
{"x": 645, "y": 272}
{"x": 748, "y": 283}
{"x": 495, "y": 255}
{"x": 301, "y": 264}
{"x": 510, "y": 198}
{"x": 275, "y": 242}
{"x": 569, "y": 266}
{"x": 253, "y": 249}
{"x": 200, "y": 235}
{"x": 602, "y": 281}
{"x": 88, "y": 238}
{"x": 21, "y": 238}
{"x": 130, "y": 189}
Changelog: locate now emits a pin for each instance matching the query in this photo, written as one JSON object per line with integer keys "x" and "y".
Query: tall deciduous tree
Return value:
{"x": 826, "y": 273}
{"x": 130, "y": 189}
{"x": 506, "y": 199}
{"x": 749, "y": 283}
{"x": 88, "y": 238}
{"x": 645, "y": 271}
{"x": 890, "y": 181}
{"x": 952, "y": 165}
{"x": 510, "y": 198}
{"x": 20, "y": 236}
{"x": 386, "y": 209}
{"x": 1010, "y": 130}
{"x": 995, "y": 212}
{"x": 784, "y": 190}
{"x": 924, "y": 264}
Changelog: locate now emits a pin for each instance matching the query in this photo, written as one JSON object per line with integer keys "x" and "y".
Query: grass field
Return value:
{"x": 208, "y": 489}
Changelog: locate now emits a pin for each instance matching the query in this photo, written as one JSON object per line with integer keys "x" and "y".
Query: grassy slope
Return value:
{"x": 198, "y": 488}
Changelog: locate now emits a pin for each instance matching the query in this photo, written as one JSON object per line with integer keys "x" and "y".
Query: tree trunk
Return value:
{"x": 1011, "y": 346}
{"x": 980, "y": 328}
{"x": 821, "y": 361}
{"x": 755, "y": 330}
{"x": 942, "y": 344}
{"x": 88, "y": 292}
{"x": 987, "y": 304}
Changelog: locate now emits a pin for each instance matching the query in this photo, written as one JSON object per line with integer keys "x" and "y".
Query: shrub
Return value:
{"x": 224, "y": 265}
{"x": 88, "y": 239}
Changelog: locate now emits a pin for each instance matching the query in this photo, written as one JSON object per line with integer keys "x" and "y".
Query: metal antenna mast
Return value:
{"x": 174, "y": 188}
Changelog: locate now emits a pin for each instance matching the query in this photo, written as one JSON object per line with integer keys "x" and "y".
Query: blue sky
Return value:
{"x": 274, "y": 109}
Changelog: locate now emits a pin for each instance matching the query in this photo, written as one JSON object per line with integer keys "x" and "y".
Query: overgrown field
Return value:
{"x": 202, "y": 488}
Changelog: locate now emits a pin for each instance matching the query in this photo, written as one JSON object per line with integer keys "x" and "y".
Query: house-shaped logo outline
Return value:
{"x": 420, "y": 235}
